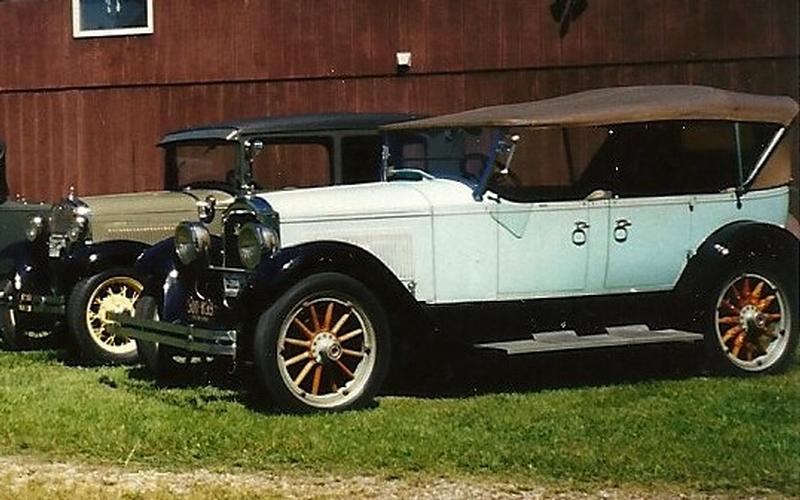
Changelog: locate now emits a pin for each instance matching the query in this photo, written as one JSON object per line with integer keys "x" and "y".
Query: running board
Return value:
{"x": 566, "y": 340}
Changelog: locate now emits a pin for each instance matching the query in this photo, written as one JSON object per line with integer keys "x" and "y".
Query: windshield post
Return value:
{"x": 385, "y": 159}
{"x": 480, "y": 189}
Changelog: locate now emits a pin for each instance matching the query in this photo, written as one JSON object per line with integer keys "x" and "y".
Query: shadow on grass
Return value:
{"x": 448, "y": 370}
{"x": 485, "y": 372}
{"x": 473, "y": 373}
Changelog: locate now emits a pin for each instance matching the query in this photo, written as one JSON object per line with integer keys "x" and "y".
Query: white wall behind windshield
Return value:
{"x": 641, "y": 159}
{"x": 448, "y": 153}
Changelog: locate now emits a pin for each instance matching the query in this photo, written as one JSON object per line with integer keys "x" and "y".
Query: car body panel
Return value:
{"x": 148, "y": 216}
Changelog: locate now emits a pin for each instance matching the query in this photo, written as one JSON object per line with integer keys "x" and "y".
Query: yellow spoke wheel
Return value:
{"x": 90, "y": 303}
{"x": 114, "y": 295}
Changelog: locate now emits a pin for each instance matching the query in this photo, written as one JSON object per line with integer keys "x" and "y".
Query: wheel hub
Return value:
{"x": 752, "y": 319}
{"x": 114, "y": 304}
{"x": 326, "y": 347}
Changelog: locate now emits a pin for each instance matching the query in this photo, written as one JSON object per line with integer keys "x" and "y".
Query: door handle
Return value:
{"x": 621, "y": 230}
{"x": 579, "y": 236}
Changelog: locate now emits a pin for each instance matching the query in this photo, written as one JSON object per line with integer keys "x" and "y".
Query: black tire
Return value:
{"x": 348, "y": 349}
{"x": 747, "y": 332}
{"x": 164, "y": 362}
{"x": 21, "y": 331}
{"x": 113, "y": 290}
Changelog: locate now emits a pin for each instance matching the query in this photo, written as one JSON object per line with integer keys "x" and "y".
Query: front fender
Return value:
{"x": 29, "y": 265}
{"x": 87, "y": 260}
{"x": 291, "y": 264}
{"x": 158, "y": 271}
{"x": 736, "y": 244}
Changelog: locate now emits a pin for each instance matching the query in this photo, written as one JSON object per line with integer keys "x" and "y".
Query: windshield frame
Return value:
{"x": 488, "y": 140}
{"x": 171, "y": 169}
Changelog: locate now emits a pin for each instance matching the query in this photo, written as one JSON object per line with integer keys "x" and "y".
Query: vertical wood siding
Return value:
{"x": 88, "y": 112}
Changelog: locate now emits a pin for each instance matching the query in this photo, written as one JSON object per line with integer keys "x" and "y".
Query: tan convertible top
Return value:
{"x": 622, "y": 105}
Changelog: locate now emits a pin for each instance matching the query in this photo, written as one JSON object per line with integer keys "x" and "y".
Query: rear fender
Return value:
{"x": 735, "y": 245}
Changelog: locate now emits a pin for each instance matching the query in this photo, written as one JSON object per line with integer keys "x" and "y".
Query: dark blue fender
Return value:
{"x": 30, "y": 263}
{"x": 87, "y": 260}
{"x": 158, "y": 271}
{"x": 736, "y": 244}
{"x": 291, "y": 264}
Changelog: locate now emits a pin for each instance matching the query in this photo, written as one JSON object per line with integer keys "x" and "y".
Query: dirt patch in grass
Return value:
{"x": 25, "y": 477}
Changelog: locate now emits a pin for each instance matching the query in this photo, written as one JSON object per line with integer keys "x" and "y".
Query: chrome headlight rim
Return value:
{"x": 192, "y": 242}
{"x": 255, "y": 241}
{"x": 35, "y": 229}
{"x": 79, "y": 230}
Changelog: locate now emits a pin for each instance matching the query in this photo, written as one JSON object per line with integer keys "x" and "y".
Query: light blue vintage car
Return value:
{"x": 523, "y": 228}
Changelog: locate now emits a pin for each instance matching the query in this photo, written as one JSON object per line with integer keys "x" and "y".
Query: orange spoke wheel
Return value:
{"x": 323, "y": 345}
{"x": 325, "y": 350}
{"x": 752, "y": 322}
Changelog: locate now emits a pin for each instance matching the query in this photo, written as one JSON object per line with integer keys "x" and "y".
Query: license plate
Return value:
{"x": 55, "y": 244}
{"x": 200, "y": 308}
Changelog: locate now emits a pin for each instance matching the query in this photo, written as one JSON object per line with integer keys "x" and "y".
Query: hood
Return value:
{"x": 367, "y": 201}
{"x": 148, "y": 216}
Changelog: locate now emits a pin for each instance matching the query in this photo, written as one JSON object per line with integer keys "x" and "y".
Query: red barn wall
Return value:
{"x": 89, "y": 111}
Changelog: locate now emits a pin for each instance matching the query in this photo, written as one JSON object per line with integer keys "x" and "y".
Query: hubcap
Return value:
{"x": 115, "y": 295}
{"x": 326, "y": 351}
{"x": 752, "y": 321}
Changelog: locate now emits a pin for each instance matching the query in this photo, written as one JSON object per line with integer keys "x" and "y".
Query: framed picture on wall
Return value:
{"x": 93, "y": 18}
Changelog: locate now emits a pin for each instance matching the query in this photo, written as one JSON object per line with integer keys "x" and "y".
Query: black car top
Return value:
{"x": 286, "y": 125}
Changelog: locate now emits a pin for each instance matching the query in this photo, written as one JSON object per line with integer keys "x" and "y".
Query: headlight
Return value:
{"x": 255, "y": 241}
{"x": 35, "y": 228}
{"x": 79, "y": 229}
{"x": 192, "y": 241}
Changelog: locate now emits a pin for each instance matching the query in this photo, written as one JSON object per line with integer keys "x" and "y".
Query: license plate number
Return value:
{"x": 200, "y": 308}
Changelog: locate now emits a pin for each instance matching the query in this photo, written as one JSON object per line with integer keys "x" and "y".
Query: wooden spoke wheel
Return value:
{"x": 325, "y": 349}
{"x": 323, "y": 345}
{"x": 89, "y": 305}
{"x": 118, "y": 295}
{"x": 752, "y": 322}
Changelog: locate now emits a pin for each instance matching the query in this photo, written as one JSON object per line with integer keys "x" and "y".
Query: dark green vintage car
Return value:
{"x": 14, "y": 220}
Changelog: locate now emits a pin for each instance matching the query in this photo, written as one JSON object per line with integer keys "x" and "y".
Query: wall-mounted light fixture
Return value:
{"x": 403, "y": 61}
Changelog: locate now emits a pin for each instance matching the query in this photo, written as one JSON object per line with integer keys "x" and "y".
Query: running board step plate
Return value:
{"x": 566, "y": 340}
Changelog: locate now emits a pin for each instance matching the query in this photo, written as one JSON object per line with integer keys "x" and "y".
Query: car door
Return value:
{"x": 665, "y": 165}
{"x": 648, "y": 239}
{"x": 551, "y": 235}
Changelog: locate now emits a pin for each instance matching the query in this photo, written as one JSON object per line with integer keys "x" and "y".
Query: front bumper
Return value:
{"x": 32, "y": 303}
{"x": 186, "y": 337}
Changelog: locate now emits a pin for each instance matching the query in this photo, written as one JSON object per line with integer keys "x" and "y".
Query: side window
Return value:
{"x": 361, "y": 156}
{"x": 293, "y": 165}
{"x": 672, "y": 158}
{"x": 753, "y": 140}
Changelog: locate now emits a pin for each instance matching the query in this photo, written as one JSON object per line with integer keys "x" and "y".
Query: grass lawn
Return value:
{"x": 709, "y": 434}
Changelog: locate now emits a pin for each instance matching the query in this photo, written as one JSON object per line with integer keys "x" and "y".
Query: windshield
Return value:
{"x": 455, "y": 153}
{"x": 206, "y": 164}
